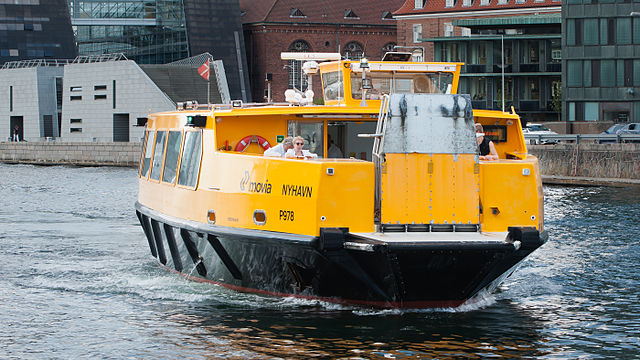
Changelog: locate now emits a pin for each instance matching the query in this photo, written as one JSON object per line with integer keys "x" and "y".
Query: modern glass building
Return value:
{"x": 163, "y": 31}
{"x": 601, "y": 85}
{"x": 518, "y": 56}
{"x": 35, "y": 29}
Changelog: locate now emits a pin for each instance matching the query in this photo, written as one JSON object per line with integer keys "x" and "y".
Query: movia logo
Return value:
{"x": 244, "y": 181}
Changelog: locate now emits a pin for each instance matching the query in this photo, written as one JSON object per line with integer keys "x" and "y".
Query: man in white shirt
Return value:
{"x": 280, "y": 149}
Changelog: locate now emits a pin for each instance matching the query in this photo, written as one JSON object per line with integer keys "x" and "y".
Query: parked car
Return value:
{"x": 625, "y": 128}
{"x": 539, "y": 129}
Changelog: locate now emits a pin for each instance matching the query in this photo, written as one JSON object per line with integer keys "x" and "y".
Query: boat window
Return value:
{"x": 190, "y": 162}
{"x": 311, "y": 132}
{"x": 171, "y": 157}
{"x": 332, "y": 84}
{"x": 417, "y": 83}
{"x": 148, "y": 150}
{"x": 157, "y": 155}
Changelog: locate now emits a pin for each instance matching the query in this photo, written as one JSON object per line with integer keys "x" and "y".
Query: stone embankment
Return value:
{"x": 64, "y": 153}
{"x": 589, "y": 164}
{"x": 580, "y": 164}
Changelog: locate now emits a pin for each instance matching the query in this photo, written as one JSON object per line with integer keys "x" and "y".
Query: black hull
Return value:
{"x": 335, "y": 267}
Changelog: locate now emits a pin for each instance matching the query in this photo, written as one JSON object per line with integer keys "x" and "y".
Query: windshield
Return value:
{"x": 387, "y": 82}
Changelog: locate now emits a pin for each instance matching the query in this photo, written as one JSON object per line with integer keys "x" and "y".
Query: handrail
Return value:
{"x": 378, "y": 142}
{"x": 597, "y": 138}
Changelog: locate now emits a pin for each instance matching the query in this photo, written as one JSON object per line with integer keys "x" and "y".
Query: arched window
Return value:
{"x": 387, "y": 48}
{"x": 353, "y": 51}
{"x": 297, "y": 79}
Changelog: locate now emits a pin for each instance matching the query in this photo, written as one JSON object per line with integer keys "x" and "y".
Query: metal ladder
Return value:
{"x": 378, "y": 143}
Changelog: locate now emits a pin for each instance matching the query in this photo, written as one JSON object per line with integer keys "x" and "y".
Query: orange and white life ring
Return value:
{"x": 244, "y": 143}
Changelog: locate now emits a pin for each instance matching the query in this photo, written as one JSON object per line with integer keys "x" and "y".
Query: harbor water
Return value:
{"x": 77, "y": 281}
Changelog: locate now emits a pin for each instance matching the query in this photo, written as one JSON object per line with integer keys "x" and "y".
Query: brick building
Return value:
{"x": 517, "y": 39}
{"x": 355, "y": 29}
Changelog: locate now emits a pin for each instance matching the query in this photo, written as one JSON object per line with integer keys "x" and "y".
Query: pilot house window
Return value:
{"x": 157, "y": 155}
{"x": 151, "y": 135}
{"x": 190, "y": 162}
{"x": 171, "y": 158}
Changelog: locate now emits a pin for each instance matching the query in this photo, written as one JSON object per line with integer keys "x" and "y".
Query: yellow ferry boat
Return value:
{"x": 409, "y": 217}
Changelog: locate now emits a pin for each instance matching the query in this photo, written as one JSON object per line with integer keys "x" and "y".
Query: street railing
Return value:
{"x": 577, "y": 138}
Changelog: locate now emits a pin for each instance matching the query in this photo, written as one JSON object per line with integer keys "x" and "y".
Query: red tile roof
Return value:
{"x": 369, "y": 12}
{"x": 439, "y": 6}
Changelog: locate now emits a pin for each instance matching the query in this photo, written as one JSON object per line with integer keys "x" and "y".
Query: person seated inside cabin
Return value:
{"x": 333, "y": 151}
{"x": 487, "y": 148}
{"x": 298, "y": 152}
{"x": 280, "y": 149}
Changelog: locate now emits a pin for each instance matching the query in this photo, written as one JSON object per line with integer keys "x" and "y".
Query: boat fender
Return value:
{"x": 244, "y": 143}
{"x": 529, "y": 237}
{"x": 332, "y": 238}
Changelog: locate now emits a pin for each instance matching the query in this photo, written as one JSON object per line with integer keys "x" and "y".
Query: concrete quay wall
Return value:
{"x": 64, "y": 153}
{"x": 593, "y": 161}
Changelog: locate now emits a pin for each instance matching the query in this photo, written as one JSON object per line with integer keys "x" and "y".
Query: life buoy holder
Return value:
{"x": 244, "y": 143}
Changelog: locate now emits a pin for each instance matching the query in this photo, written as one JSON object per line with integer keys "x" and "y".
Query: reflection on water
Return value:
{"x": 77, "y": 281}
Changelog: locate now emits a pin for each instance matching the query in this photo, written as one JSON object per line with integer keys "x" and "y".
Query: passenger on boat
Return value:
{"x": 280, "y": 149}
{"x": 297, "y": 151}
{"x": 333, "y": 151}
{"x": 487, "y": 148}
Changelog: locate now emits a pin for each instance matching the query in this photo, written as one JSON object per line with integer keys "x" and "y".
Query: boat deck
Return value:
{"x": 404, "y": 237}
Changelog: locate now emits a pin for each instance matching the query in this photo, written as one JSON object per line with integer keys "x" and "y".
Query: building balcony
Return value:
{"x": 554, "y": 67}
{"x": 475, "y": 68}
{"x": 530, "y": 67}
{"x": 507, "y": 68}
{"x": 529, "y": 105}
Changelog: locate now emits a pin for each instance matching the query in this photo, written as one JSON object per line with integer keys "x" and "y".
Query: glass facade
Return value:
{"x": 147, "y": 31}
{"x": 35, "y": 29}
{"x": 602, "y": 80}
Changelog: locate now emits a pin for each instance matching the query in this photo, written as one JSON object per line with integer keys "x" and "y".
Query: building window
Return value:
{"x": 484, "y": 2}
{"x": 467, "y": 2}
{"x": 353, "y": 50}
{"x": 75, "y": 88}
{"x": 636, "y": 30}
{"x": 604, "y": 31}
{"x": 502, "y": 2}
{"x": 419, "y": 4}
{"x": 297, "y": 80}
{"x": 587, "y": 72}
{"x": 75, "y": 121}
{"x": 466, "y": 31}
{"x": 14, "y": 52}
{"x": 297, "y": 13}
{"x": 386, "y": 15}
{"x": 591, "y": 111}
{"x": 417, "y": 32}
{"x": 100, "y": 87}
{"x": 450, "y": 3}
{"x": 75, "y": 130}
{"x": 574, "y": 73}
{"x": 590, "y": 31}
{"x": 350, "y": 14}
{"x": 572, "y": 111}
{"x": 636, "y": 72}
{"x": 76, "y": 97}
{"x": 607, "y": 73}
{"x": 448, "y": 29}
{"x": 100, "y": 97}
{"x": 388, "y": 47}
{"x": 623, "y": 31}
